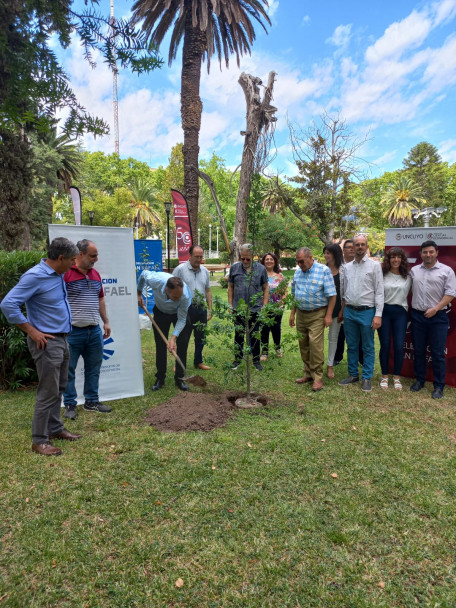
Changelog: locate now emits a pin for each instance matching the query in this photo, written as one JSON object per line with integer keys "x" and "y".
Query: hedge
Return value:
{"x": 16, "y": 363}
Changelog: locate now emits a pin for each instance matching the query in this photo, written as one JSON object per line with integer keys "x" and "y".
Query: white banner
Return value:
{"x": 121, "y": 372}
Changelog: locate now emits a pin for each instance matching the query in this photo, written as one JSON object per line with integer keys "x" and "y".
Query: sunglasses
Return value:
{"x": 246, "y": 259}
{"x": 300, "y": 261}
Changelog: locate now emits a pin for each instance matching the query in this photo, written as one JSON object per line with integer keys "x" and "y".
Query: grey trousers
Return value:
{"x": 52, "y": 367}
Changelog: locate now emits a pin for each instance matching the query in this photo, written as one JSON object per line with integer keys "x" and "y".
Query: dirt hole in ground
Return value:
{"x": 195, "y": 411}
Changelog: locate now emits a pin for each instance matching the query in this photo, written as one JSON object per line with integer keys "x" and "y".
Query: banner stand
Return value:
{"x": 121, "y": 371}
{"x": 410, "y": 239}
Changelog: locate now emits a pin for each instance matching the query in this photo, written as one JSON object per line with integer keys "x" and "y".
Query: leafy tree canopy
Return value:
{"x": 33, "y": 84}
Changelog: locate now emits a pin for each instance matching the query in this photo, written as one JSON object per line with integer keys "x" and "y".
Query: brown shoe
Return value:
{"x": 317, "y": 386}
{"x": 303, "y": 380}
{"x": 64, "y": 434}
{"x": 45, "y": 449}
{"x": 202, "y": 366}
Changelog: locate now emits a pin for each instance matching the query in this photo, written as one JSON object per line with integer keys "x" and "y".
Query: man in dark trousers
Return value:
{"x": 197, "y": 279}
{"x": 172, "y": 300}
{"x": 247, "y": 282}
{"x": 433, "y": 288}
{"x": 47, "y": 324}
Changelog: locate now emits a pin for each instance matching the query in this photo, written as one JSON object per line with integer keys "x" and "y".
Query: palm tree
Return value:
{"x": 143, "y": 199}
{"x": 69, "y": 156}
{"x": 403, "y": 196}
{"x": 223, "y": 27}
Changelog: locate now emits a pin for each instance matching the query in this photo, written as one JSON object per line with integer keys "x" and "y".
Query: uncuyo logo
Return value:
{"x": 398, "y": 236}
{"x": 107, "y": 352}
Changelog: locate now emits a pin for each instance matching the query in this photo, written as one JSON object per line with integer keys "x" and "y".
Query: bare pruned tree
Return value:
{"x": 326, "y": 155}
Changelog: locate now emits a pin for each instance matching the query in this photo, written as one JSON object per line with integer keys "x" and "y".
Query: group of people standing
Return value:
{"x": 64, "y": 299}
{"x": 368, "y": 296}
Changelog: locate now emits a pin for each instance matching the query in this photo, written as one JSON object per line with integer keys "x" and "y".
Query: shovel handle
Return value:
{"x": 165, "y": 339}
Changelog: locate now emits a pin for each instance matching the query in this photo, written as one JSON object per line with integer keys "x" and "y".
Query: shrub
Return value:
{"x": 173, "y": 263}
{"x": 287, "y": 263}
{"x": 16, "y": 363}
{"x": 224, "y": 282}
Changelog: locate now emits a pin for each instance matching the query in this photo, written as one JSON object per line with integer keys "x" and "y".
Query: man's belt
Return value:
{"x": 360, "y": 307}
{"x": 313, "y": 309}
{"x": 86, "y": 326}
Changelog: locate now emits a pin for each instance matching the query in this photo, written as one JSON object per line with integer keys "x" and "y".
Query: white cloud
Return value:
{"x": 447, "y": 150}
{"x": 399, "y": 37}
{"x": 341, "y": 36}
{"x": 273, "y": 6}
{"x": 305, "y": 20}
{"x": 445, "y": 10}
{"x": 385, "y": 158}
{"x": 441, "y": 69}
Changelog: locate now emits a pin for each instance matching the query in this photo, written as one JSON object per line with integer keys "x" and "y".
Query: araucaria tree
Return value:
{"x": 326, "y": 155}
{"x": 206, "y": 27}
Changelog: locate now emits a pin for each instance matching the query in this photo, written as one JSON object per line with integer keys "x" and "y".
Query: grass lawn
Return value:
{"x": 337, "y": 498}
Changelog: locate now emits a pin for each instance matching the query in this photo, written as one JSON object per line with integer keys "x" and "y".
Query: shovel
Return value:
{"x": 195, "y": 379}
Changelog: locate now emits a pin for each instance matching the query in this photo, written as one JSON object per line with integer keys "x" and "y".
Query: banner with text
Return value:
{"x": 183, "y": 227}
{"x": 121, "y": 372}
{"x": 410, "y": 240}
{"x": 148, "y": 256}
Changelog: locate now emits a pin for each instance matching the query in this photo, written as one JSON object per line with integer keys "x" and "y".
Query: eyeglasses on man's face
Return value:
{"x": 245, "y": 259}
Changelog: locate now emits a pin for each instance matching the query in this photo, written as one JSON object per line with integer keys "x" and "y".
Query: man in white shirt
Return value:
{"x": 433, "y": 288}
{"x": 363, "y": 298}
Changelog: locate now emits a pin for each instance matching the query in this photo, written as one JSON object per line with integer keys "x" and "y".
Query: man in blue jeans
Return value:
{"x": 363, "y": 297}
{"x": 433, "y": 288}
{"x": 86, "y": 298}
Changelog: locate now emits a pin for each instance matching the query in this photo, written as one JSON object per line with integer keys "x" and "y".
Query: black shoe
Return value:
{"x": 416, "y": 386}
{"x": 437, "y": 393}
{"x": 158, "y": 385}
{"x": 70, "y": 412}
{"x": 258, "y": 366}
{"x": 235, "y": 365}
{"x": 349, "y": 380}
{"x": 96, "y": 407}
{"x": 181, "y": 385}
{"x": 366, "y": 386}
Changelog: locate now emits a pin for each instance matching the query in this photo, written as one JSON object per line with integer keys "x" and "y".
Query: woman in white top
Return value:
{"x": 397, "y": 284}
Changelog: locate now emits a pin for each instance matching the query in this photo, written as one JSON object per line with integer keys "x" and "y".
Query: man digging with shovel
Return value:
{"x": 172, "y": 300}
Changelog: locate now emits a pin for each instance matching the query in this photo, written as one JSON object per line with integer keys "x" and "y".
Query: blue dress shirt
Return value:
{"x": 44, "y": 294}
{"x": 157, "y": 282}
{"x": 312, "y": 288}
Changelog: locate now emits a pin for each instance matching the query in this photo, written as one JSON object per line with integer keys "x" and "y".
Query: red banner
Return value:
{"x": 183, "y": 228}
{"x": 410, "y": 240}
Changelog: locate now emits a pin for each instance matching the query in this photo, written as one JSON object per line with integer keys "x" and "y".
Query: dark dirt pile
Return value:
{"x": 191, "y": 412}
{"x": 194, "y": 411}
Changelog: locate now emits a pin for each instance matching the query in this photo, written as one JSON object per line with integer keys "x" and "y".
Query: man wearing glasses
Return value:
{"x": 87, "y": 303}
{"x": 315, "y": 294}
{"x": 247, "y": 285}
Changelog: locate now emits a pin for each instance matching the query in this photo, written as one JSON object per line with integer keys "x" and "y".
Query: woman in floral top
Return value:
{"x": 277, "y": 292}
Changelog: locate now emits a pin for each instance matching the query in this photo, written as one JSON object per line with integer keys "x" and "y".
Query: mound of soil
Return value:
{"x": 194, "y": 411}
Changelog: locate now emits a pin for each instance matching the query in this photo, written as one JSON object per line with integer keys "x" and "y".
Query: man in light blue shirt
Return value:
{"x": 172, "y": 300}
{"x": 48, "y": 321}
{"x": 314, "y": 293}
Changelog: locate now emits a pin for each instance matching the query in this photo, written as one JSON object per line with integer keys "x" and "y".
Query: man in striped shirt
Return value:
{"x": 87, "y": 303}
{"x": 314, "y": 293}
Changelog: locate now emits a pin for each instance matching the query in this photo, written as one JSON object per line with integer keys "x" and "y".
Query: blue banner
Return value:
{"x": 148, "y": 256}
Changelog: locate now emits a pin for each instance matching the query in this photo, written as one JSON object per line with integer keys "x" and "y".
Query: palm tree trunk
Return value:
{"x": 191, "y": 110}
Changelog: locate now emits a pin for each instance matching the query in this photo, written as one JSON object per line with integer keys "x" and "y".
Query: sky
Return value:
{"x": 388, "y": 68}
